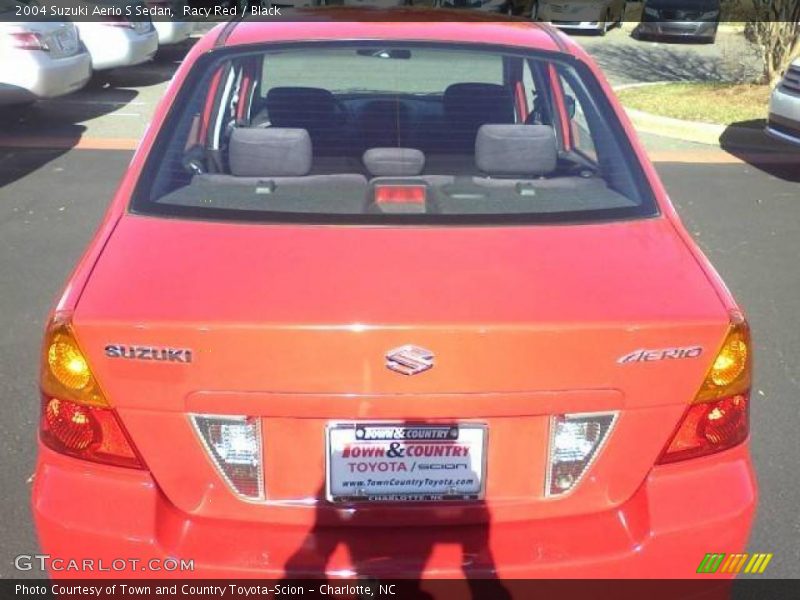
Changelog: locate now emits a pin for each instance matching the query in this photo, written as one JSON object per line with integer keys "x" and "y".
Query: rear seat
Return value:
{"x": 277, "y": 162}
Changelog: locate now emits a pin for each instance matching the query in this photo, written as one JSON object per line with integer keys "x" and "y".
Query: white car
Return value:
{"x": 40, "y": 60}
{"x": 123, "y": 43}
{"x": 173, "y": 32}
{"x": 784, "y": 106}
{"x": 585, "y": 15}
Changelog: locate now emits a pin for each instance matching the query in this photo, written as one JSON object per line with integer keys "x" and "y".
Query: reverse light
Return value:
{"x": 76, "y": 419}
{"x": 575, "y": 441}
{"x": 719, "y": 416}
{"x": 234, "y": 445}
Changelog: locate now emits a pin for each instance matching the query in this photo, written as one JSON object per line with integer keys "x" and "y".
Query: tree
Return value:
{"x": 776, "y": 29}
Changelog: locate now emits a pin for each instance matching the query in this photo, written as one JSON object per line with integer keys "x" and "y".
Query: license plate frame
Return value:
{"x": 441, "y": 475}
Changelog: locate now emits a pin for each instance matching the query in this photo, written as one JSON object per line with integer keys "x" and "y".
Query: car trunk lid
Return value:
{"x": 291, "y": 325}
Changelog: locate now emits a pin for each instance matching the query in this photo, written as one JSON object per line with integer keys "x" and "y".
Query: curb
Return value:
{"x": 688, "y": 131}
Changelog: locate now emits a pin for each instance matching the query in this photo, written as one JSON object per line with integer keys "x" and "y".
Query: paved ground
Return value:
{"x": 625, "y": 59}
{"x": 745, "y": 217}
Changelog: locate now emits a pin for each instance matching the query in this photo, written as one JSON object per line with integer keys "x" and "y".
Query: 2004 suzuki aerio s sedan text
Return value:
{"x": 394, "y": 299}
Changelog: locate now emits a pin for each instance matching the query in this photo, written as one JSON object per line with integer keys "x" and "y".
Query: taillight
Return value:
{"x": 76, "y": 417}
{"x": 575, "y": 441}
{"x": 234, "y": 446}
{"x": 719, "y": 416}
{"x": 22, "y": 39}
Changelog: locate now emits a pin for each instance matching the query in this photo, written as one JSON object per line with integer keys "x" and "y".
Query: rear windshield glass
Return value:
{"x": 368, "y": 132}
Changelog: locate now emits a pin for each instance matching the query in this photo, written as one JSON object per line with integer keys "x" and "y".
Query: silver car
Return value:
{"x": 171, "y": 31}
{"x": 40, "y": 60}
{"x": 123, "y": 42}
{"x": 784, "y": 106}
{"x": 581, "y": 15}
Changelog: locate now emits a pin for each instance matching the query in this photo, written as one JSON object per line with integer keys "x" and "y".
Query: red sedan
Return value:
{"x": 394, "y": 299}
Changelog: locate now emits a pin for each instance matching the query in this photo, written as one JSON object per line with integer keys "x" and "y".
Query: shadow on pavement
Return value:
{"x": 747, "y": 141}
{"x": 649, "y": 63}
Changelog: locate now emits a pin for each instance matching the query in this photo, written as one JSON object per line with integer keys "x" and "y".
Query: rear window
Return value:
{"x": 392, "y": 132}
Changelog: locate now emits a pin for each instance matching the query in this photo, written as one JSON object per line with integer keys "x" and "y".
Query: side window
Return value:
{"x": 579, "y": 124}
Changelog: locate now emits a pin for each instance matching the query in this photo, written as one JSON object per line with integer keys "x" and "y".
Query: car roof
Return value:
{"x": 332, "y": 24}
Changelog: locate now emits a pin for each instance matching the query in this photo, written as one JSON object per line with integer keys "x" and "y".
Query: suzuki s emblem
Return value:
{"x": 409, "y": 360}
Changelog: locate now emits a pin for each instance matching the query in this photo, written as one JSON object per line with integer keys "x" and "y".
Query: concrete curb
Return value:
{"x": 688, "y": 131}
{"x": 678, "y": 129}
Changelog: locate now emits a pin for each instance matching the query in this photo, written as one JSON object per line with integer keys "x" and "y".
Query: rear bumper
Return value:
{"x": 40, "y": 76}
{"x": 578, "y": 25}
{"x": 681, "y": 512}
{"x": 118, "y": 47}
{"x": 784, "y": 116}
{"x": 173, "y": 32}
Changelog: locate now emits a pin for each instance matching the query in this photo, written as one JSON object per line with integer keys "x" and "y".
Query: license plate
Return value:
{"x": 400, "y": 462}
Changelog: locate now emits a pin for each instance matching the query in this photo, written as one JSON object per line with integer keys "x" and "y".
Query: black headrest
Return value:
{"x": 528, "y": 150}
{"x": 478, "y": 103}
{"x": 304, "y": 107}
{"x": 269, "y": 152}
{"x": 394, "y": 162}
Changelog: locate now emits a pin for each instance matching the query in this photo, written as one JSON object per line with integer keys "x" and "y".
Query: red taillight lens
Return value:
{"x": 719, "y": 416}
{"x": 86, "y": 432}
{"x": 76, "y": 416}
{"x": 28, "y": 40}
{"x": 708, "y": 428}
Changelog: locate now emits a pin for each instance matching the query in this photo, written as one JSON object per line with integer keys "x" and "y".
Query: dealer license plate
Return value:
{"x": 400, "y": 462}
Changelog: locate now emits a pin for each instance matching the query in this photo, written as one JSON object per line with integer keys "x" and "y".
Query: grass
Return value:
{"x": 721, "y": 103}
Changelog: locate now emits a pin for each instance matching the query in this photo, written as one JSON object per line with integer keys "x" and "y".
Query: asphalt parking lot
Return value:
{"x": 60, "y": 162}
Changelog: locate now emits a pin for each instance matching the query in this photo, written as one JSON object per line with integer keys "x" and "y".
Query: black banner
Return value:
{"x": 577, "y": 13}
{"x": 475, "y": 589}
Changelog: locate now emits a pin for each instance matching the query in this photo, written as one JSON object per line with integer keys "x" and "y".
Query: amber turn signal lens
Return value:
{"x": 65, "y": 370}
{"x": 67, "y": 364}
{"x": 730, "y": 373}
{"x": 731, "y": 360}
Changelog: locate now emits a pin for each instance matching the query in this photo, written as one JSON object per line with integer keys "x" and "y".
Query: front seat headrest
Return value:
{"x": 524, "y": 150}
{"x": 394, "y": 162}
{"x": 304, "y": 107}
{"x": 269, "y": 152}
{"x": 473, "y": 104}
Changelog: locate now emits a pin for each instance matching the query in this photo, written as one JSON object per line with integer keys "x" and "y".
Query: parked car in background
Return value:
{"x": 584, "y": 15}
{"x": 171, "y": 31}
{"x": 404, "y": 247}
{"x": 680, "y": 18}
{"x": 121, "y": 43}
{"x": 40, "y": 60}
{"x": 784, "y": 106}
{"x": 495, "y": 6}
